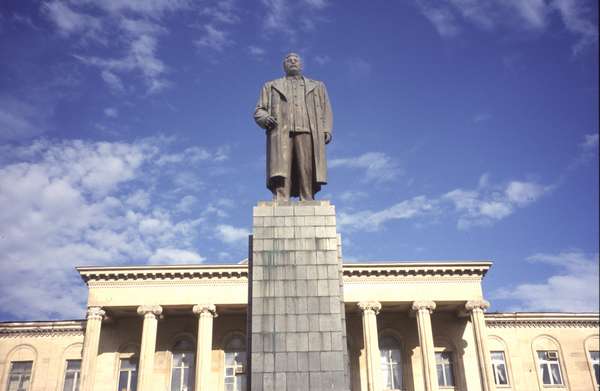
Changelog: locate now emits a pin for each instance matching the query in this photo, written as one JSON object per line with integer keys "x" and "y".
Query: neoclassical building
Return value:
{"x": 410, "y": 326}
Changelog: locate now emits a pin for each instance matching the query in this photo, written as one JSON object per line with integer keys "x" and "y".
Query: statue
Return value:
{"x": 296, "y": 114}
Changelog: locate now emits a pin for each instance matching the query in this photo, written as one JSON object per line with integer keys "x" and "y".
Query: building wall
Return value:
{"x": 520, "y": 344}
{"x": 121, "y": 338}
{"x": 48, "y": 351}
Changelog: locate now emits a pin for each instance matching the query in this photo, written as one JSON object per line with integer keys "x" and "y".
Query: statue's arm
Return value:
{"x": 261, "y": 112}
{"x": 327, "y": 114}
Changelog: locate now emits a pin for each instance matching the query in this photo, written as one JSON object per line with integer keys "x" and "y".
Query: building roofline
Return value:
{"x": 87, "y": 273}
{"x": 543, "y": 319}
{"x": 42, "y": 327}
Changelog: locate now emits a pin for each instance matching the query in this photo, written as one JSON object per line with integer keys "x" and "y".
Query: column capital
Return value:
{"x": 95, "y": 313}
{"x": 423, "y": 305}
{"x": 374, "y": 306}
{"x": 153, "y": 310}
{"x": 477, "y": 305}
{"x": 201, "y": 309}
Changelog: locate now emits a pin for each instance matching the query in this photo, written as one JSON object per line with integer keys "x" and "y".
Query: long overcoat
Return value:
{"x": 273, "y": 101}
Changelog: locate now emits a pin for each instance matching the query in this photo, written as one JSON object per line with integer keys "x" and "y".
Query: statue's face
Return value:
{"x": 292, "y": 65}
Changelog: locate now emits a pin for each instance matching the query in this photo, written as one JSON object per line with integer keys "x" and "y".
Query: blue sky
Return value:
{"x": 463, "y": 130}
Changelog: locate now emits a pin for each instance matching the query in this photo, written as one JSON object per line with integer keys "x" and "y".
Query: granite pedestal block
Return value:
{"x": 297, "y": 323}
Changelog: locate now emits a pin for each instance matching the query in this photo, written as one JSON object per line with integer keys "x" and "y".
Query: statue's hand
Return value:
{"x": 270, "y": 122}
{"x": 327, "y": 138}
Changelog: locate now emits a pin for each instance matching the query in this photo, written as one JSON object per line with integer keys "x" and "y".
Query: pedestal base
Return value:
{"x": 296, "y": 312}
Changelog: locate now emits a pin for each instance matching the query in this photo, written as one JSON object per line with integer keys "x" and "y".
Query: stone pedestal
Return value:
{"x": 296, "y": 322}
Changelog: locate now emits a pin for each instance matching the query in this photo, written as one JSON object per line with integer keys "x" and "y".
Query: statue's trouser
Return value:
{"x": 299, "y": 170}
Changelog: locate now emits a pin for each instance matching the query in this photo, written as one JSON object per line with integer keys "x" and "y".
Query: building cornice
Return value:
{"x": 42, "y": 328}
{"x": 240, "y": 271}
{"x": 166, "y": 272}
{"x": 417, "y": 269}
{"x": 542, "y": 320}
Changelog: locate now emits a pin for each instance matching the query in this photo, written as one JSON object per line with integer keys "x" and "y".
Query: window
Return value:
{"x": 235, "y": 364}
{"x": 20, "y": 375}
{"x": 183, "y": 369}
{"x": 445, "y": 369}
{"x": 595, "y": 359}
{"x": 73, "y": 368}
{"x": 391, "y": 363}
{"x": 499, "y": 368}
{"x": 128, "y": 374}
{"x": 549, "y": 367}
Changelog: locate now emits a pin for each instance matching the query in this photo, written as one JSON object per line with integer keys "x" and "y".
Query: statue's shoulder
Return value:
{"x": 274, "y": 82}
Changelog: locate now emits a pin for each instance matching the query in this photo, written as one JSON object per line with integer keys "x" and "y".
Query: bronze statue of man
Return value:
{"x": 296, "y": 114}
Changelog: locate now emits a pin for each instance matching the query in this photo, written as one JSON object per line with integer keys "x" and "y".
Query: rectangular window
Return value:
{"x": 128, "y": 375}
{"x": 72, "y": 371}
{"x": 499, "y": 368}
{"x": 19, "y": 377}
{"x": 549, "y": 367}
{"x": 235, "y": 371}
{"x": 391, "y": 368}
{"x": 182, "y": 373}
{"x": 595, "y": 359}
{"x": 445, "y": 369}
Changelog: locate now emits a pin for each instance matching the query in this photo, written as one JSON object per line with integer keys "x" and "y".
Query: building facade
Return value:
{"x": 410, "y": 326}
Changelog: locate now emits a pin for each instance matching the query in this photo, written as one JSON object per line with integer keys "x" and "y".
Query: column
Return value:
{"x": 148, "y": 348}
{"x": 423, "y": 310}
{"x": 370, "y": 309}
{"x": 206, "y": 313}
{"x": 476, "y": 309}
{"x": 90, "y": 347}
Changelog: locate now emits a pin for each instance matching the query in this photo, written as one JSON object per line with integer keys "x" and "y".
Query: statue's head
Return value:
{"x": 292, "y": 64}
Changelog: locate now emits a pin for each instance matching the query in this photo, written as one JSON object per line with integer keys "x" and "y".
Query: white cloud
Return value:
{"x": 489, "y": 203}
{"x": 288, "y": 16}
{"x": 574, "y": 287}
{"x": 152, "y": 8}
{"x": 483, "y": 117}
{"x": 523, "y": 193}
{"x": 141, "y": 57}
{"x": 214, "y": 38}
{"x": 378, "y": 166}
{"x": 575, "y": 16}
{"x": 82, "y": 203}
{"x": 590, "y": 142}
{"x": 358, "y": 67}
{"x": 256, "y": 51}
{"x": 485, "y": 205}
{"x": 186, "y": 203}
{"x": 19, "y": 119}
{"x": 231, "y": 235}
{"x": 373, "y": 221}
{"x": 448, "y": 17}
{"x": 352, "y": 195}
{"x": 223, "y": 11}
{"x": 176, "y": 256}
{"x": 532, "y": 12}
{"x": 113, "y": 81}
{"x": 111, "y": 112}
{"x": 135, "y": 25}
{"x": 322, "y": 60}
{"x": 69, "y": 21}
{"x": 318, "y": 4}
{"x": 477, "y": 11}
{"x": 440, "y": 17}
{"x": 278, "y": 12}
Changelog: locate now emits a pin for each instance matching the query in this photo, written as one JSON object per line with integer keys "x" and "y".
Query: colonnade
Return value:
{"x": 422, "y": 311}
{"x": 369, "y": 309}
{"x": 205, "y": 312}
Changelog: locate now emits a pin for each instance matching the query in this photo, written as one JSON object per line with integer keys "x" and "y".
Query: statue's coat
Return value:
{"x": 273, "y": 101}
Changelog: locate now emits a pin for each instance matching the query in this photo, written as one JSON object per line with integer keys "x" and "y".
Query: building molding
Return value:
{"x": 542, "y": 320}
{"x": 42, "y": 328}
{"x": 167, "y": 273}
